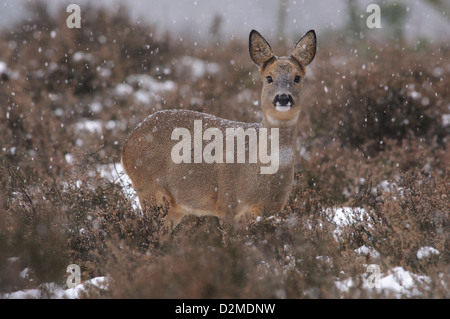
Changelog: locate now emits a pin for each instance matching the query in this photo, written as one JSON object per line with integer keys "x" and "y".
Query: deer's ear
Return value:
{"x": 305, "y": 49}
{"x": 260, "y": 50}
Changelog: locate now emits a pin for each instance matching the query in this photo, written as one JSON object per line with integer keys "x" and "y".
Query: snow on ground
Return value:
{"x": 5, "y": 70}
{"x": 116, "y": 174}
{"x": 148, "y": 88}
{"x": 3, "y": 67}
{"x": 82, "y": 56}
{"x": 198, "y": 68}
{"x": 148, "y": 83}
{"x": 426, "y": 251}
{"x": 446, "y": 119}
{"x": 396, "y": 282}
{"x": 345, "y": 216}
{"x": 93, "y": 126}
{"x": 54, "y": 291}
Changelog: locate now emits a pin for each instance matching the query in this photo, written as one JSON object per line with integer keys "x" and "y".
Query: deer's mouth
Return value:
{"x": 283, "y": 102}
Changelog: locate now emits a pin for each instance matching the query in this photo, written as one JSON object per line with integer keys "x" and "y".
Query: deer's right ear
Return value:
{"x": 260, "y": 50}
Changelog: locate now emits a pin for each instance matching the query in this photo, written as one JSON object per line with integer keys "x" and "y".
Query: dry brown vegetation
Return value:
{"x": 372, "y": 136}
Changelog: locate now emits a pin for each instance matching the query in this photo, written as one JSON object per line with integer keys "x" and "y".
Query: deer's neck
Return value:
{"x": 287, "y": 134}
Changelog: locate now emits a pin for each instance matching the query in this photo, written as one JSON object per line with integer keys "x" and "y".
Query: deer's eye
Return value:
{"x": 269, "y": 79}
{"x": 297, "y": 79}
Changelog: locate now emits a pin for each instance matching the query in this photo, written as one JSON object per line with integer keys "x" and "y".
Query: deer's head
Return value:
{"x": 282, "y": 77}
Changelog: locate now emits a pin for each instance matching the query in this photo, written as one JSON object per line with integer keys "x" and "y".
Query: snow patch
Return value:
{"x": 147, "y": 88}
{"x": 403, "y": 282}
{"x": 368, "y": 251}
{"x": 123, "y": 89}
{"x": 116, "y": 174}
{"x": 82, "y": 56}
{"x": 3, "y": 67}
{"x": 445, "y": 119}
{"x": 54, "y": 291}
{"x": 426, "y": 251}
{"x": 343, "y": 216}
{"x": 199, "y": 68}
{"x": 89, "y": 126}
{"x": 388, "y": 186}
{"x": 397, "y": 282}
{"x": 148, "y": 83}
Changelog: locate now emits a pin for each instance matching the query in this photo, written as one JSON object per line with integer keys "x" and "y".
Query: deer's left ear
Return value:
{"x": 305, "y": 49}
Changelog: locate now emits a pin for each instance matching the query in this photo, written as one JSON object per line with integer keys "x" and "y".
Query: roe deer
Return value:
{"x": 212, "y": 185}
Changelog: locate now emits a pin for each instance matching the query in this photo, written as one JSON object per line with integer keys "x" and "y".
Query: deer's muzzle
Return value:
{"x": 283, "y": 102}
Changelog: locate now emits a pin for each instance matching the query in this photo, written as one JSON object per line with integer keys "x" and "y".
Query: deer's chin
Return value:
{"x": 283, "y": 108}
{"x": 284, "y": 117}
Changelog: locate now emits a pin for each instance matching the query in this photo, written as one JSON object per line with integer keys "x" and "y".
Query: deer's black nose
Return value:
{"x": 283, "y": 100}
